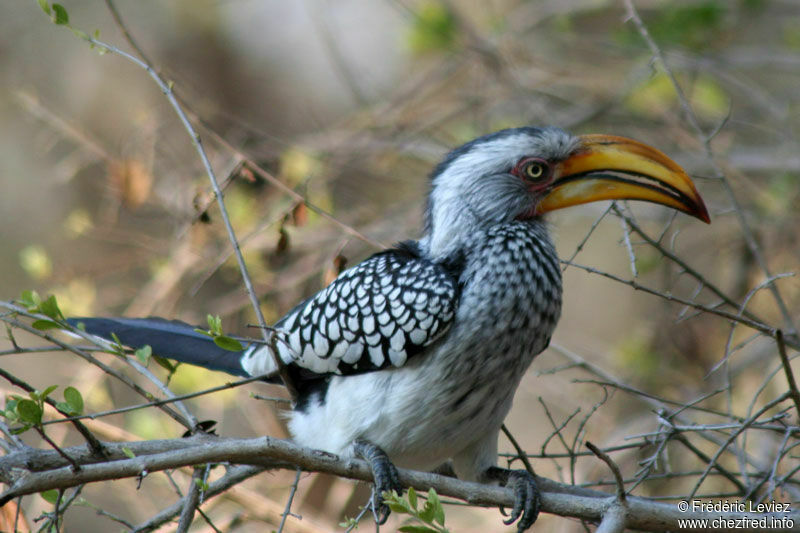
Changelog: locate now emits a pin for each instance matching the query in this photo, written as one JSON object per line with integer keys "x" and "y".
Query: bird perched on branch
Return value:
{"x": 412, "y": 357}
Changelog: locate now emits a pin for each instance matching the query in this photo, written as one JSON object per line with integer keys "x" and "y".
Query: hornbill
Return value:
{"x": 412, "y": 357}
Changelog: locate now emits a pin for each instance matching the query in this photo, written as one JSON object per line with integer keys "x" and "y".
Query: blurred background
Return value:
{"x": 350, "y": 104}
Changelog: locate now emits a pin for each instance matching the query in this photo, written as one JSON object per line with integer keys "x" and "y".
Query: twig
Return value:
{"x": 787, "y": 368}
{"x": 289, "y": 500}
{"x": 112, "y": 8}
{"x": 706, "y": 141}
{"x": 88, "y": 357}
{"x": 164, "y": 390}
{"x": 82, "y": 429}
{"x": 626, "y": 238}
{"x": 157, "y": 403}
{"x": 586, "y": 237}
{"x": 233, "y": 476}
{"x": 686, "y": 267}
{"x": 520, "y": 452}
{"x": 747, "y": 423}
{"x": 621, "y": 496}
{"x": 166, "y": 88}
{"x": 758, "y": 326}
{"x": 190, "y": 501}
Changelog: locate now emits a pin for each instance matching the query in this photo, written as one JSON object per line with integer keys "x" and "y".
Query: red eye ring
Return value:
{"x": 532, "y": 169}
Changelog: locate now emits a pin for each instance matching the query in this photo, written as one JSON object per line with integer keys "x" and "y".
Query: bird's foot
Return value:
{"x": 527, "y": 498}
{"x": 384, "y": 473}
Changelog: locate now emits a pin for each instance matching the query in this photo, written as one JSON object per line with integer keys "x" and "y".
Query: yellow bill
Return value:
{"x": 607, "y": 167}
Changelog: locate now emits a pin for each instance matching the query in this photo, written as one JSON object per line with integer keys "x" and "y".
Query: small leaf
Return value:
{"x": 60, "y": 16}
{"x": 50, "y": 308}
{"x": 29, "y": 411}
{"x": 128, "y": 453}
{"x": 228, "y": 343}
{"x": 48, "y": 391}
{"x": 44, "y": 325}
{"x": 81, "y": 35}
{"x": 74, "y": 399}
{"x": 416, "y": 529}
{"x": 117, "y": 344}
{"x": 427, "y": 513}
{"x": 398, "y": 506}
{"x": 165, "y": 363}
{"x": 214, "y": 324}
{"x": 203, "y": 332}
{"x": 436, "y": 504}
{"x": 412, "y": 497}
{"x": 31, "y": 300}
{"x": 50, "y": 496}
{"x": 143, "y": 354}
{"x": 45, "y": 6}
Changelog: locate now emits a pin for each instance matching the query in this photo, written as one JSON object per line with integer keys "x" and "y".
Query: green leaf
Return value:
{"x": 427, "y": 513}
{"x": 166, "y": 364}
{"x": 44, "y": 325}
{"x": 411, "y": 528}
{"x": 50, "y": 496}
{"x": 50, "y": 308}
{"x": 204, "y": 332}
{"x": 81, "y": 35}
{"x": 228, "y": 343}
{"x": 412, "y": 497}
{"x": 400, "y": 506}
{"x": 128, "y": 453}
{"x": 31, "y": 299}
{"x": 45, "y": 6}
{"x": 60, "y": 15}
{"x": 202, "y": 485}
{"x": 143, "y": 354}
{"x": 48, "y": 391}
{"x": 436, "y": 504}
{"x": 74, "y": 399}
{"x": 349, "y": 523}
{"x": 118, "y": 349}
{"x": 29, "y": 411}
{"x": 214, "y": 324}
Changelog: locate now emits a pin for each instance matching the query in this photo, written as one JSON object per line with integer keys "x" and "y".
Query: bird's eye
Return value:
{"x": 533, "y": 169}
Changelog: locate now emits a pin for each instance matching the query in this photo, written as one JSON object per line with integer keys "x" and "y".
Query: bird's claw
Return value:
{"x": 385, "y": 475}
{"x": 527, "y": 499}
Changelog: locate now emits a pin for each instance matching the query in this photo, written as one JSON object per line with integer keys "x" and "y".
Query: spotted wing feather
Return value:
{"x": 373, "y": 316}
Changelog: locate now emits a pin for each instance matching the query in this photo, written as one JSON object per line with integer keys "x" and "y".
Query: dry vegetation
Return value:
{"x": 676, "y": 348}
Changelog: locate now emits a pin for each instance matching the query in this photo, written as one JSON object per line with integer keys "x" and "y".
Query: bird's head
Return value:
{"x": 522, "y": 173}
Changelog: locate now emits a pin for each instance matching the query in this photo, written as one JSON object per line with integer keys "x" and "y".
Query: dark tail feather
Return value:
{"x": 172, "y": 339}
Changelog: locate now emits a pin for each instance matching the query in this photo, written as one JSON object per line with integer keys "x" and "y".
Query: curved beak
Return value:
{"x": 606, "y": 167}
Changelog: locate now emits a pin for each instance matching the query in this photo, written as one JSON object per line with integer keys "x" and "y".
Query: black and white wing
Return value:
{"x": 375, "y": 315}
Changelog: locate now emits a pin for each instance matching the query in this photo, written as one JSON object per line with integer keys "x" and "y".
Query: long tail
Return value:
{"x": 172, "y": 339}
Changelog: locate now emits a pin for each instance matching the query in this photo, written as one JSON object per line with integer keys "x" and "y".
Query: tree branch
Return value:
{"x": 24, "y": 472}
